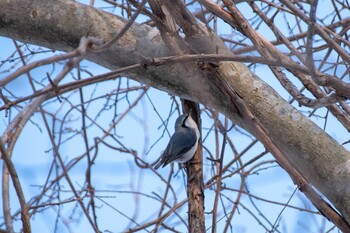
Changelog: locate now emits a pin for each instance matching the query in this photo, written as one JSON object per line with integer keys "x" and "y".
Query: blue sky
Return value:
{"x": 115, "y": 174}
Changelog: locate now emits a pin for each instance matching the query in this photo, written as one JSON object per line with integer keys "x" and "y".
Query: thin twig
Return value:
{"x": 17, "y": 185}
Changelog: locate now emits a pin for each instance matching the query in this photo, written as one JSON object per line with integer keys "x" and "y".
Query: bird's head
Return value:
{"x": 185, "y": 121}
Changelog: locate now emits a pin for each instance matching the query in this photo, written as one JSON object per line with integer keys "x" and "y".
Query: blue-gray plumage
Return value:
{"x": 183, "y": 143}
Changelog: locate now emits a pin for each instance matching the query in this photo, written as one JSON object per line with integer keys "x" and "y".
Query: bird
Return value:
{"x": 183, "y": 143}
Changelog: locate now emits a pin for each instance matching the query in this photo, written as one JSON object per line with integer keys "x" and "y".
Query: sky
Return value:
{"x": 115, "y": 175}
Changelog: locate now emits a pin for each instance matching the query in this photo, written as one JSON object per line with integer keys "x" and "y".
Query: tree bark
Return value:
{"x": 59, "y": 25}
{"x": 195, "y": 185}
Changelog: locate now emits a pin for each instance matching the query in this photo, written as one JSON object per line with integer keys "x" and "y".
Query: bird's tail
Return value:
{"x": 160, "y": 162}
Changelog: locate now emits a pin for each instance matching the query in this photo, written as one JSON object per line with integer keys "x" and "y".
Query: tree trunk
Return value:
{"x": 195, "y": 185}
{"x": 59, "y": 25}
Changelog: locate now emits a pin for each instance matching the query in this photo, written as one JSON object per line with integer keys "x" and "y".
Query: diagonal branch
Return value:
{"x": 16, "y": 183}
{"x": 320, "y": 158}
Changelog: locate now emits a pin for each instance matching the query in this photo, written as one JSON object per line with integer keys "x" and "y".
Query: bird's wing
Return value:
{"x": 176, "y": 148}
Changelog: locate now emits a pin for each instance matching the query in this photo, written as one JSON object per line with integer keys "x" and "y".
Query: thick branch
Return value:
{"x": 317, "y": 156}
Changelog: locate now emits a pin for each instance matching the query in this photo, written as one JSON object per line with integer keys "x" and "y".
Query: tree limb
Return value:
{"x": 323, "y": 161}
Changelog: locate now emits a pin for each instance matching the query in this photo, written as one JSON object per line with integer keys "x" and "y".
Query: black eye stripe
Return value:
{"x": 183, "y": 123}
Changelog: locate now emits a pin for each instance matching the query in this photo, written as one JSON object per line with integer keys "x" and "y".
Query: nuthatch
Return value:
{"x": 183, "y": 144}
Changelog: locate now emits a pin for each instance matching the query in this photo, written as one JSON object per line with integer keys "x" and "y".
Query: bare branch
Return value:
{"x": 17, "y": 185}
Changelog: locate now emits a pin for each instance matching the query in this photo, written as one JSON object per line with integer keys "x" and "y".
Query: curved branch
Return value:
{"x": 323, "y": 161}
